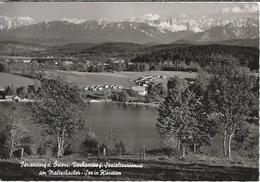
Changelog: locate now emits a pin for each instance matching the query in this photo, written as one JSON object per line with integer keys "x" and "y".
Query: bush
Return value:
{"x": 169, "y": 152}
{"x": 121, "y": 96}
{"x": 89, "y": 146}
{"x": 120, "y": 148}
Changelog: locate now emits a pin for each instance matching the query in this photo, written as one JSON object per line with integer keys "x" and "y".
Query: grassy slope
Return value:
{"x": 120, "y": 78}
{"x": 16, "y": 80}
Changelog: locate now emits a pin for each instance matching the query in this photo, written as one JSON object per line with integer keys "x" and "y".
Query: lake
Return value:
{"x": 132, "y": 124}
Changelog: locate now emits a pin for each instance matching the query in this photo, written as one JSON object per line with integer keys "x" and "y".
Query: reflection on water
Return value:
{"x": 132, "y": 124}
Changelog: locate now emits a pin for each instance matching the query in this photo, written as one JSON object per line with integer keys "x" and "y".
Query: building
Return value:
{"x": 119, "y": 61}
{"x": 16, "y": 98}
{"x": 140, "y": 90}
{"x": 2, "y": 93}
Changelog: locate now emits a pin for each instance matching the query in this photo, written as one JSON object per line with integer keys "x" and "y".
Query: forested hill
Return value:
{"x": 115, "y": 47}
{"x": 201, "y": 54}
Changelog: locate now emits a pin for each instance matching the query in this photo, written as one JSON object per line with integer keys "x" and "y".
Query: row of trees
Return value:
{"x": 194, "y": 113}
{"x": 22, "y": 91}
{"x": 28, "y": 69}
{"x": 201, "y": 54}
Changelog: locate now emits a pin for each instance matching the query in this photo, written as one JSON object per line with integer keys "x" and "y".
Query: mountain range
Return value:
{"x": 147, "y": 29}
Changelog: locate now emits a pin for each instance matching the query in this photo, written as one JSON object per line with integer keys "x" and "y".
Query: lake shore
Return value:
{"x": 125, "y": 103}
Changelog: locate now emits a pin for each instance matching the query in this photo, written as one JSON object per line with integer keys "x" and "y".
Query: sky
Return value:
{"x": 49, "y": 11}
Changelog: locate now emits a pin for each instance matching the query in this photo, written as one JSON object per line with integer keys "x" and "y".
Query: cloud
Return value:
{"x": 246, "y": 9}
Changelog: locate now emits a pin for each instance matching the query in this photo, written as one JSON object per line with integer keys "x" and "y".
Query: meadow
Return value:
{"x": 15, "y": 80}
{"x": 121, "y": 78}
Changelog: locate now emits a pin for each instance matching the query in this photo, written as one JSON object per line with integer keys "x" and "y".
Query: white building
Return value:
{"x": 140, "y": 90}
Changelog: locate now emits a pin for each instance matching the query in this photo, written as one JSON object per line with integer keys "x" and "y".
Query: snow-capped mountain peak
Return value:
{"x": 185, "y": 23}
{"x": 9, "y": 22}
{"x": 73, "y": 20}
{"x": 148, "y": 28}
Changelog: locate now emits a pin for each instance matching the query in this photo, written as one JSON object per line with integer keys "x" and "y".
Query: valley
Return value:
{"x": 171, "y": 87}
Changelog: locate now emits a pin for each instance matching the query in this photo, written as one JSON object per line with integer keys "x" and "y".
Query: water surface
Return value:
{"x": 132, "y": 124}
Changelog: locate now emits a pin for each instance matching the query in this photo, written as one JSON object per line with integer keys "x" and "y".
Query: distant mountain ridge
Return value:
{"x": 7, "y": 23}
{"x": 37, "y": 49}
{"x": 142, "y": 30}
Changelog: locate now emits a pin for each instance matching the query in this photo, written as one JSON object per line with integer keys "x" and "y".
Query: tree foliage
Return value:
{"x": 230, "y": 96}
{"x": 58, "y": 108}
{"x": 200, "y": 54}
{"x": 156, "y": 91}
{"x": 183, "y": 114}
{"x": 14, "y": 133}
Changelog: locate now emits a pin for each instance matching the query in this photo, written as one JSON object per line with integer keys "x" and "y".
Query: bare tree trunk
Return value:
{"x": 183, "y": 152}
{"x": 60, "y": 140}
{"x": 11, "y": 153}
{"x": 229, "y": 145}
{"x": 178, "y": 145}
{"x": 225, "y": 143}
{"x": 98, "y": 149}
{"x": 11, "y": 149}
{"x": 143, "y": 152}
{"x": 22, "y": 153}
{"x": 59, "y": 146}
{"x": 62, "y": 145}
{"x": 104, "y": 152}
{"x": 194, "y": 148}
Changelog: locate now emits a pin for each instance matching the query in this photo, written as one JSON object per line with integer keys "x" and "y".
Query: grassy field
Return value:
{"x": 88, "y": 79}
{"x": 121, "y": 78}
{"x": 15, "y": 80}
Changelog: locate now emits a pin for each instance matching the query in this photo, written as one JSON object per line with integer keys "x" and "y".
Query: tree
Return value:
{"x": 144, "y": 67}
{"x": 110, "y": 140}
{"x": 182, "y": 114}
{"x": 15, "y": 132}
{"x": 58, "y": 107}
{"x": 89, "y": 145}
{"x": 156, "y": 91}
{"x": 123, "y": 96}
{"x": 120, "y": 148}
{"x": 3, "y": 66}
{"x": 22, "y": 91}
{"x": 207, "y": 128}
{"x": 203, "y": 78}
{"x": 11, "y": 90}
{"x": 230, "y": 96}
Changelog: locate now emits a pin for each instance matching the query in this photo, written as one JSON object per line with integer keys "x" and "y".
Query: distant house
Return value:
{"x": 27, "y": 61}
{"x": 140, "y": 90}
{"x": 11, "y": 98}
{"x": 67, "y": 62}
{"x": 16, "y": 98}
{"x": 2, "y": 93}
{"x": 118, "y": 61}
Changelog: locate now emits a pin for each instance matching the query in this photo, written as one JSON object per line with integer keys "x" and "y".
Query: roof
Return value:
{"x": 138, "y": 88}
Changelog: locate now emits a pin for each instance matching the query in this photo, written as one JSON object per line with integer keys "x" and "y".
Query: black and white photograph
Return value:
{"x": 129, "y": 91}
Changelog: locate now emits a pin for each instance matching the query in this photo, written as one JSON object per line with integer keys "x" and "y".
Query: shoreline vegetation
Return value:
{"x": 125, "y": 103}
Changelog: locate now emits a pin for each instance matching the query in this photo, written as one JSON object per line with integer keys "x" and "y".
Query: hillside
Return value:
{"x": 15, "y": 80}
{"x": 201, "y": 54}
